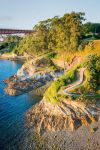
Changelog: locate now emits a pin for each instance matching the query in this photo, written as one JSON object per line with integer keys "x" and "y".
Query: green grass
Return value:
{"x": 51, "y": 94}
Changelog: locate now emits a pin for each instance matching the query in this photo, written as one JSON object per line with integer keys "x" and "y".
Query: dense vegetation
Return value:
{"x": 52, "y": 94}
{"x": 58, "y": 34}
{"x": 10, "y": 42}
{"x": 66, "y": 37}
{"x": 92, "y": 29}
{"x": 92, "y": 64}
{"x": 91, "y": 84}
{"x": 61, "y": 35}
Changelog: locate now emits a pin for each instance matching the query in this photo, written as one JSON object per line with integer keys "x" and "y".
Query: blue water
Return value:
{"x": 12, "y": 110}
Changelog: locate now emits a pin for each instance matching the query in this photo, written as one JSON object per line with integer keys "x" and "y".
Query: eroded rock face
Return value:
{"x": 68, "y": 65}
{"x": 31, "y": 76}
{"x": 41, "y": 64}
{"x": 45, "y": 116}
{"x": 17, "y": 86}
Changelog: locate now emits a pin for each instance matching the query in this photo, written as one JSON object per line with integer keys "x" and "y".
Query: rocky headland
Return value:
{"x": 35, "y": 73}
{"x": 47, "y": 117}
{"x": 32, "y": 75}
{"x": 12, "y": 57}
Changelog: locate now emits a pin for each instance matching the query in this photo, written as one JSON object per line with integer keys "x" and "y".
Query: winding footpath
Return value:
{"x": 76, "y": 84}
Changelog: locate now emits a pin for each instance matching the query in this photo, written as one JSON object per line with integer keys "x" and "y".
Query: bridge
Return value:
{"x": 15, "y": 31}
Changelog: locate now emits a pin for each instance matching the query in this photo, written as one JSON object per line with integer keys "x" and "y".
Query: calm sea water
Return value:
{"x": 13, "y": 129}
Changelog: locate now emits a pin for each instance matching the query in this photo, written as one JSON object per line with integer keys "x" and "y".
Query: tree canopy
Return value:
{"x": 92, "y": 27}
{"x": 56, "y": 34}
{"x": 92, "y": 63}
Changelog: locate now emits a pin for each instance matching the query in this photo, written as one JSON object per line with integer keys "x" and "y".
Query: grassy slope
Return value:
{"x": 52, "y": 92}
{"x": 92, "y": 48}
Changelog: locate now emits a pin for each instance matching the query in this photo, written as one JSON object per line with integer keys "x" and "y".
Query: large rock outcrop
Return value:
{"x": 33, "y": 74}
{"x": 67, "y": 114}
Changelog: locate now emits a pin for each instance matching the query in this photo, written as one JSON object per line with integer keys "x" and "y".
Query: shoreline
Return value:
{"x": 68, "y": 138}
{"x": 10, "y": 57}
{"x": 31, "y": 76}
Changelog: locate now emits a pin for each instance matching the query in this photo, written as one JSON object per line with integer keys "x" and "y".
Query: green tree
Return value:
{"x": 59, "y": 34}
{"x": 92, "y": 63}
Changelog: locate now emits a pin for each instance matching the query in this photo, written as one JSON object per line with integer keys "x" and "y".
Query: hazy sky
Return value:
{"x": 26, "y": 13}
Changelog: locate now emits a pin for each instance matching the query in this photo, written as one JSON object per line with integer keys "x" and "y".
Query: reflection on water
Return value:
{"x": 13, "y": 127}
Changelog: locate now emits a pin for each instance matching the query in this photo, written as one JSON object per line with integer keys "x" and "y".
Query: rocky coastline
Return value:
{"x": 31, "y": 76}
{"x": 45, "y": 117}
{"x": 13, "y": 57}
{"x": 66, "y": 115}
{"x": 53, "y": 121}
{"x": 16, "y": 86}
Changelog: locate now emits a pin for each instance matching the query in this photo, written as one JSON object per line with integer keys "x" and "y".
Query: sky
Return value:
{"x": 24, "y": 14}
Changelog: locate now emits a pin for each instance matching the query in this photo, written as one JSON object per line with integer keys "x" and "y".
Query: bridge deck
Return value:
{"x": 14, "y": 31}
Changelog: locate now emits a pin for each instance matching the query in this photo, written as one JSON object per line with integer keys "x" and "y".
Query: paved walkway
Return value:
{"x": 76, "y": 84}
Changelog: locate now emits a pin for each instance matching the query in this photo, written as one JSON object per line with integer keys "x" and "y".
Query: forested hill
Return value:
{"x": 56, "y": 34}
{"x": 59, "y": 35}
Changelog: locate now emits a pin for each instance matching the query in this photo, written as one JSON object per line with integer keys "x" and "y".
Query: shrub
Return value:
{"x": 92, "y": 64}
{"x": 83, "y": 44}
{"x": 52, "y": 55}
{"x": 51, "y": 94}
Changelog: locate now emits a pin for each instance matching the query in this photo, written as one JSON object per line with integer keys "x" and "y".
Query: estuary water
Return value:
{"x": 12, "y": 111}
